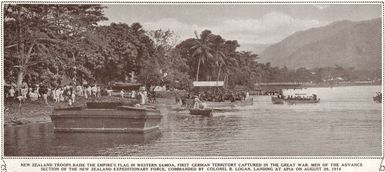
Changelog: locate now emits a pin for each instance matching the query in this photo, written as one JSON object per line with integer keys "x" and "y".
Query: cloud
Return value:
{"x": 270, "y": 28}
{"x": 183, "y": 30}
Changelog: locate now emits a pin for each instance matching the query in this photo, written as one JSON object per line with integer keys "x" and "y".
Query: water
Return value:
{"x": 345, "y": 123}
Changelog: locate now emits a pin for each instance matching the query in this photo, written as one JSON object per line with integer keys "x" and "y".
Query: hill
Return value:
{"x": 343, "y": 43}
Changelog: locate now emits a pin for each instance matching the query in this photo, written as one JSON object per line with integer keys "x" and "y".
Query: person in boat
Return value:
{"x": 183, "y": 99}
{"x": 222, "y": 98}
{"x": 197, "y": 102}
{"x": 314, "y": 96}
{"x": 232, "y": 97}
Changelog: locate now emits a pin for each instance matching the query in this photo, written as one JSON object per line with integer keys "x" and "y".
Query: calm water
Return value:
{"x": 345, "y": 123}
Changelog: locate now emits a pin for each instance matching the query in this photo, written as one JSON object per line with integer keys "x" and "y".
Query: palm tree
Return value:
{"x": 220, "y": 61}
{"x": 201, "y": 49}
{"x": 219, "y": 53}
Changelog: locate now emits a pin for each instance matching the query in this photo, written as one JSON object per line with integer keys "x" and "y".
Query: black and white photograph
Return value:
{"x": 192, "y": 79}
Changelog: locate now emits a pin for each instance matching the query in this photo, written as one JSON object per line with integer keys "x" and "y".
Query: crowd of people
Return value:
{"x": 70, "y": 93}
{"x": 298, "y": 97}
{"x": 211, "y": 96}
{"x": 142, "y": 94}
{"x": 223, "y": 96}
{"x": 55, "y": 94}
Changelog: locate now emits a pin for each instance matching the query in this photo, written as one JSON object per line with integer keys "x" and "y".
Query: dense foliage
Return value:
{"x": 40, "y": 40}
{"x": 62, "y": 44}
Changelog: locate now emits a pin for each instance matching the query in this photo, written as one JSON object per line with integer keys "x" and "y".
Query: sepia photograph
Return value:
{"x": 192, "y": 79}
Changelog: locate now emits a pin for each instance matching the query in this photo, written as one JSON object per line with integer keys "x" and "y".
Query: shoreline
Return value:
{"x": 341, "y": 85}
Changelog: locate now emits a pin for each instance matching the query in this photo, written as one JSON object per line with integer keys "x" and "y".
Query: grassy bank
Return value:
{"x": 31, "y": 112}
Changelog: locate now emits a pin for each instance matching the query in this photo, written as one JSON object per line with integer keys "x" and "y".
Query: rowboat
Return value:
{"x": 378, "y": 97}
{"x": 110, "y": 118}
{"x": 203, "y": 112}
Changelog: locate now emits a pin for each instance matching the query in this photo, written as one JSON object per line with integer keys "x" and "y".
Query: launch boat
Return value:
{"x": 111, "y": 118}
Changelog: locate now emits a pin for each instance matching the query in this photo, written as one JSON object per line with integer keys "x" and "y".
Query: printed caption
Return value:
{"x": 114, "y": 167}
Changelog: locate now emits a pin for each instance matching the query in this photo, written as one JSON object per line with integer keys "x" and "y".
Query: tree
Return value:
{"x": 213, "y": 56}
{"x": 201, "y": 49}
{"x": 42, "y": 34}
{"x": 244, "y": 73}
{"x": 218, "y": 46}
{"x": 116, "y": 51}
{"x": 166, "y": 65}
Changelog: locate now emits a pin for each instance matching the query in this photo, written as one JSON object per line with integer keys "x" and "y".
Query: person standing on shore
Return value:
{"x": 98, "y": 91}
{"x": 11, "y": 93}
{"x": 133, "y": 94}
{"x": 53, "y": 94}
{"x": 145, "y": 96}
{"x": 43, "y": 92}
{"x": 122, "y": 93}
{"x": 79, "y": 90}
{"x": 73, "y": 95}
{"x": 89, "y": 90}
{"x": 61, "y": 96}
{"x": 94, "y": 91}
{"x": 85, "y": 92}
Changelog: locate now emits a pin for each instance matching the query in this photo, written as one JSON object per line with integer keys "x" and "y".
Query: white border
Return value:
{"x": 178, "y": 158}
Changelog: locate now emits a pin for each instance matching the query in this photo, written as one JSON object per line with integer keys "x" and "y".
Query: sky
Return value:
{"x": 247, "y": 23}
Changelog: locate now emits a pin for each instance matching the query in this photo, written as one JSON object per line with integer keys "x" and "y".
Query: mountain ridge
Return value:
{"x": 345, "y": 43}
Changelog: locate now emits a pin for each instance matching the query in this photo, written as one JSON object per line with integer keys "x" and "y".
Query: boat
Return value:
{"x": 111, "y": 118}
{"x": 302, "y": 101}
{"x": 204, "y": 85}
{"x": 202, "y": 112}
{"x": 378, "y": 98}
{"x": 277, "y": 100}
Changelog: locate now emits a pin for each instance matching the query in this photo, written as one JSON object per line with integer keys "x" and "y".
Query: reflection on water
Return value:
{"x": 39, "y": 139}
{"x": 345, "y": 123}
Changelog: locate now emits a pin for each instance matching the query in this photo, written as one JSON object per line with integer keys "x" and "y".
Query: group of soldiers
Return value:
{"x": 207, "y": 96}
{"x": 223, "y": 96}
